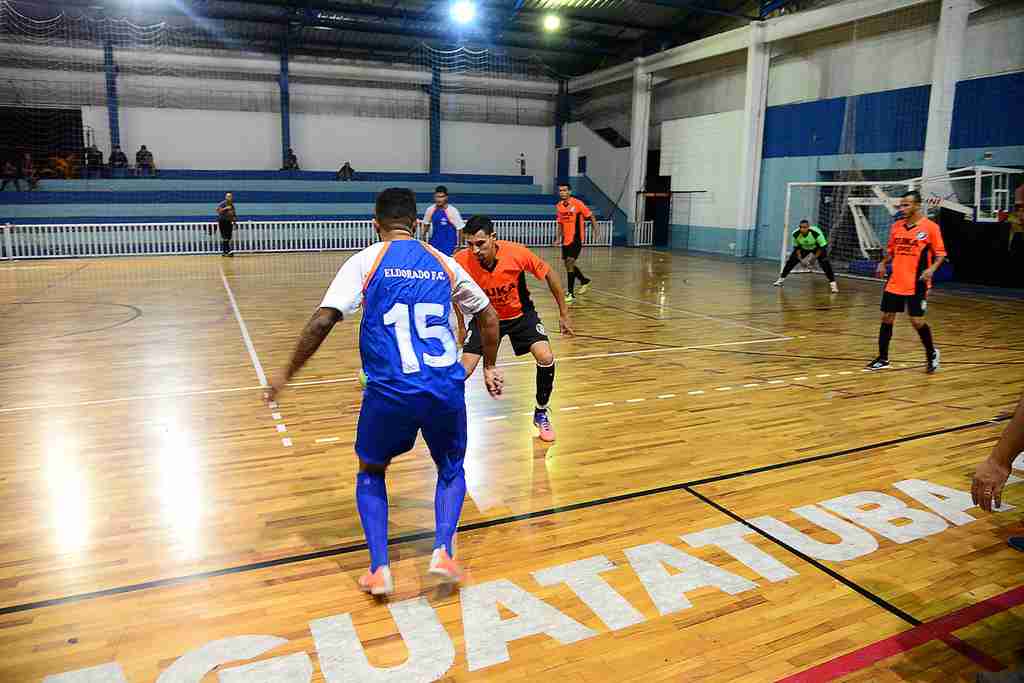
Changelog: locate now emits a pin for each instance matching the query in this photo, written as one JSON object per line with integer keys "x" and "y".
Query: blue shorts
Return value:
{"x": 388, "y": 426}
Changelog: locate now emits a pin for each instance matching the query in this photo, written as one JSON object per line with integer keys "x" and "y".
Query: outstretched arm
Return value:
{"x": 487, "y": 320}
{"x": 992, "y": 473}
{"x": 564, "y": 321}
{"x": 882, "y": 269}
{"x": 928, "y": 272}
{"x": 316, "y": 330}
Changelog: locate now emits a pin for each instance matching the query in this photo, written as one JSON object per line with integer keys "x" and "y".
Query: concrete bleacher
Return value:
{"x": 180, "y": 196}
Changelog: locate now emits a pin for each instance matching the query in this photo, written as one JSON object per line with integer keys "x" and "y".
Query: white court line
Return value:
{"x": 669, "y": 349}
{"x": 329, "y": 439}
{"x": 777, "y": 381}
{"x": 824, "y": 375}
{"x": 122, "y": 399}
{"x": 723, "y": 388}
{"x": 604, "y": 404}
{"x": 666, "y": 396}
{"x": 723, "y": 321}
{"x": 315, "y": 382}
{"x": 751, "y": 386}
{"x": 30, "y": 267}
{"x": 799, "y": 379}
{"x": 569, "y": 409}
{"x": 245, "y": 331}
{"x": 180, "y": 394}
{"x": 698, "y": 392}
{"x": 635, "y": 400}
{"x": 495, "y": 417}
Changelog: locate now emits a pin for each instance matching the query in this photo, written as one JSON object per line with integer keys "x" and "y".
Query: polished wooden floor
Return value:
{"x": 153, "y": 510}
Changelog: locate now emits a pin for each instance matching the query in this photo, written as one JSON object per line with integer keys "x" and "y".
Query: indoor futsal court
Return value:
{"x": 156, "y": 506}
{"x": 575, "y": 341}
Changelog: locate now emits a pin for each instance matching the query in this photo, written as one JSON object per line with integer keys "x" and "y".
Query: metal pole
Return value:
{"x": 286, "y": 120}
{"x": 435, "y": 122}
{"x": 112, "y": 102}
{"x": 785, "y": 220}
{"x": 8, "y": 243}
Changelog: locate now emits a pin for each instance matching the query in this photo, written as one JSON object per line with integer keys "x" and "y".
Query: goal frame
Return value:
{"x": 992, "y": 195}
{"x": 854, "y": 203}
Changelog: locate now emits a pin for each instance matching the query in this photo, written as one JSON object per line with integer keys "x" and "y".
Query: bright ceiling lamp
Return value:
{"x": 463, "y": 11}
{"x": 552, "y": 22}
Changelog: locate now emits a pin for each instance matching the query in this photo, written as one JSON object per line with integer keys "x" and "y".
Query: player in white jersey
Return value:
{"x": 414, "y": 379}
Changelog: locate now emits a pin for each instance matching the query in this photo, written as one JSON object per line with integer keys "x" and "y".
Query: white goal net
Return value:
{"x": 856, "y": 215}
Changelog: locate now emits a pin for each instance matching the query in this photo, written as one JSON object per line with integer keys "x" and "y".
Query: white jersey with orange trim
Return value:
{"x": 406, "y": 338}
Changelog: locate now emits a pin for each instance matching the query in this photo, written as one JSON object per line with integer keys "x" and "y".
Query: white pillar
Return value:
{"x": 638, "y": 140}
{"x": 947, "y": 67}
{"x": 755, "y": 101}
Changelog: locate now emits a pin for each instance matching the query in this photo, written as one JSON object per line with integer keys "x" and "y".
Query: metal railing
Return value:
{"x": 643, "y": 234}
{"x": 155, "y": 239}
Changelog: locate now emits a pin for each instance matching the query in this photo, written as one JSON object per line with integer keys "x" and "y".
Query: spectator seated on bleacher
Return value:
{"x": 10, "y": 175}
{"x": 93, "y": 159}
{"x": 118, "y": 162}
{"x": 291, "y": 162}
{"x": 27, "y": 171}
{"x": 144, "y": 161}
{"x": 345, "y": 173}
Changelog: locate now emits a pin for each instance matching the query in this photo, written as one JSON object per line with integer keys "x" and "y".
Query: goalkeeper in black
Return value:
{"x": 809, "y": 240}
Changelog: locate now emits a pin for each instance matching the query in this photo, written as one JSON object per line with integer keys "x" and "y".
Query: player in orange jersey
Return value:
{"x": 570, "y": 214}
{"x": 500, "y": 268}
{"x": 916, "y": 251}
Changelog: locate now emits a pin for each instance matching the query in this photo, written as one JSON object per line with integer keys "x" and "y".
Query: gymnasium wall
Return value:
{"x": 207, "y": 110}
{"x": 710, "y": 86}
{"x": 702, "y": 155}
{"x": 852, "y": 97}
{"x": 607, "y": 166}
{"x": 825, "y": 117}
{"x": 609, "y": 106}
{"x": 493, "y": 149}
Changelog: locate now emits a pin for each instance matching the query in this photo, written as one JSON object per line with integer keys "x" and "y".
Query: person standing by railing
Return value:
{"x": 226, "y": 218}
{"x": 442, "y": 223}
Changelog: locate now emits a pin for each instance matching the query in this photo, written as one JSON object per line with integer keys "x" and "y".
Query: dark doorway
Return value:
{"x": 658, "y": 206}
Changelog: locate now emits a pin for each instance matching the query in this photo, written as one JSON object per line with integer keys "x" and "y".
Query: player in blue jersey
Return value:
{"x": 415, "y": 381}
{"x": 443, "y": 223}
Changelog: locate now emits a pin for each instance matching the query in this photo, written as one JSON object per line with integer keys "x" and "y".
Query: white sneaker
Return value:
{"x": 445, "y": 566}
{"x": 779, "y": 282}
{"x": 378, "y": 582}
{"x": 834, "y": 287}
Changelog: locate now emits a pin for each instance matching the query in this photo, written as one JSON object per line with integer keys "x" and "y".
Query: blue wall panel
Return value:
{"x": 889, "y": 121}
{"x": 892, "y": 121}
{"x": 804, "y": 129}
{"x": 988, "y": 112}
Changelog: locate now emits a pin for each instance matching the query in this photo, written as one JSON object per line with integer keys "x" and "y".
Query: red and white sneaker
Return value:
{"x": 378, "y": 582}
{"x": 544, "y": 429}
{"x": 443, "y": 565}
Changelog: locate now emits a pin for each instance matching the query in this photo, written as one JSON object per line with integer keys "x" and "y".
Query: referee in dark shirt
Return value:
{"x": 226, "y": 218}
